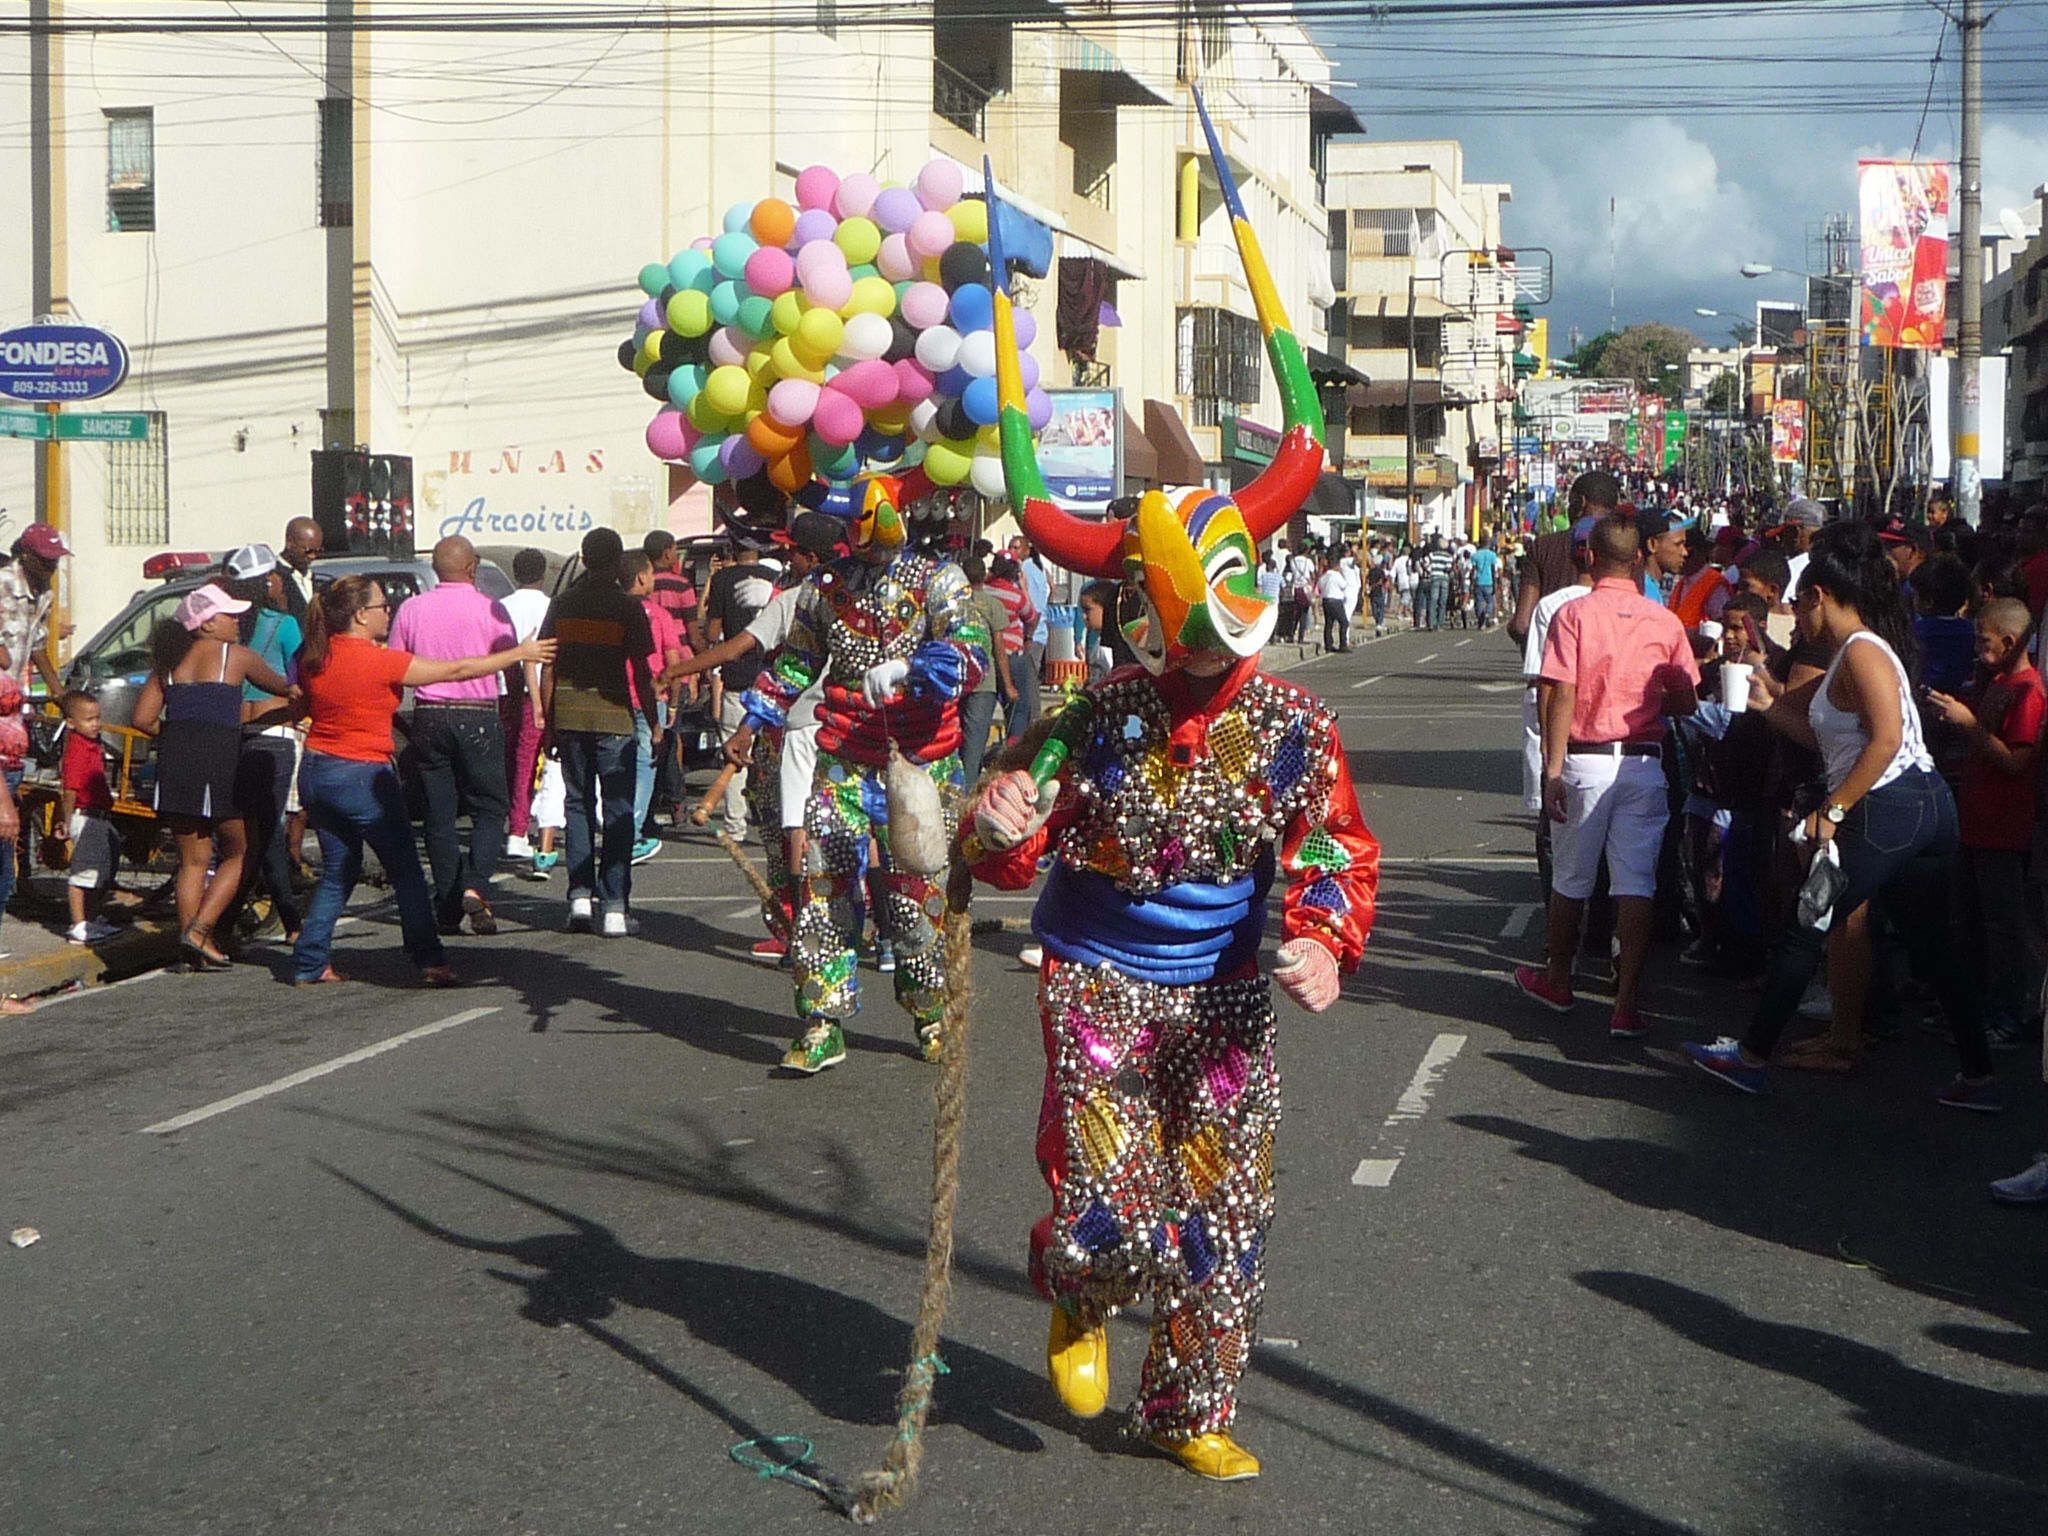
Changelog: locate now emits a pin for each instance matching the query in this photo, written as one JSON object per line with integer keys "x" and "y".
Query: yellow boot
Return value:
{"x": 1215, "y": 1456}
{"x": 1077, "y": 1359}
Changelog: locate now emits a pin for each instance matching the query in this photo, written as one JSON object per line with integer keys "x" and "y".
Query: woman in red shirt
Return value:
{"x": 1006, "y": 587}
{"x": 353, "y": 687}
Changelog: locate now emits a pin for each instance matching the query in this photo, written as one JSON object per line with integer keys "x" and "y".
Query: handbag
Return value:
{"x": 1822, "y": 888}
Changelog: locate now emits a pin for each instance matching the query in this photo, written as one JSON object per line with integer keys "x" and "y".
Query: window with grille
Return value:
{"x": 337, "y": 171}
{"x": 1382, "y": 232}
{"x": 131, "y": 169}
{"x": 1219, "y": 359}
{"x": 139, "y": 487}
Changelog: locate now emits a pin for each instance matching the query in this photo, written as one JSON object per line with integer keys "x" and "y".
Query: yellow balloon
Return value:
{"x": 760, "y": 363}
{"x": 705, "y": 416}
{"x": 860, "y": 239}
{"x": 689, "y": 312}
{"x": 990, "y": 436}
{"x": 785, "y": 312}
{"x": 819, "y": 333}
{"x": 890, "y": 418}
{"x": 757, "y": 400}
{"x": 792, "y": 366}
{"x": 947, "y": 462}
{"x": 726, "y": 389}
{"x": 871, "y": 296}
{"x": 970, "y": 221}
{"x": 930, "y": 270}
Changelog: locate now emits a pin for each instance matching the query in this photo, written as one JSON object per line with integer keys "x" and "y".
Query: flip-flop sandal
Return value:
{"x": 1817, "y": 1055}
{"x": 327, "y": 978}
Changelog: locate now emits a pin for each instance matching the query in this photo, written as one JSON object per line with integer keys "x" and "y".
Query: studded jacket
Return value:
{"x": 1167, "y": 794}
{"x": 853, "y": 616}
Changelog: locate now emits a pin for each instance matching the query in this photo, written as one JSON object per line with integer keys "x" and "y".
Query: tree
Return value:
{"x": 1585, "y": 360}
{"x": 1743, "y": 333}
{"x": 1724, "y": 394}
{"x": 1653, "y": 355}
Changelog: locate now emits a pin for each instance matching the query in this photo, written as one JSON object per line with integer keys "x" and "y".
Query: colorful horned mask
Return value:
{"x": 871, "y": 507}
{"x": 1193, "y": 563}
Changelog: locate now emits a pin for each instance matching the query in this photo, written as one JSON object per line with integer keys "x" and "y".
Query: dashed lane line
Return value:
{"x": 1518, "y": 920}
{"x": 1377, "y": 1171}
{"x": 1368, "y": 682}
{"x": 254, "y": 1095}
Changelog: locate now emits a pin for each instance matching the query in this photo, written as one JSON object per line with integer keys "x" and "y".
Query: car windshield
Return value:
{"x": 124, "y": 649}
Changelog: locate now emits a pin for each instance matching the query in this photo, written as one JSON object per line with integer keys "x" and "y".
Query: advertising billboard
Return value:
{"x": 1081, "y": 450}
{"x": 1905, "y": 251}
{"x": 1788, "y": 431}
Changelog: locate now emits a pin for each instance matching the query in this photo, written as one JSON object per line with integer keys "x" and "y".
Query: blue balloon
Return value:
{"x": 725, "y": 301}
{"x": 684, "y": 382}
{"x": 980, "y": 401}
{"x": 687, "y": 265}
{"x": 953, "y": 382}
{"x": 704, "y": 461}
{"x": 738, "y": 217}
{"x": 879, "y": 447}
{"x": 729, "y": 253}
{"x": 972, "y": 309}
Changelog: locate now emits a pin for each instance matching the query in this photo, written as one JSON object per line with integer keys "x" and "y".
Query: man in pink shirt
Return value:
{"x": 457, "y": 738}
{"x": 636, "y": 575}
{"x": 1619, "y": 664}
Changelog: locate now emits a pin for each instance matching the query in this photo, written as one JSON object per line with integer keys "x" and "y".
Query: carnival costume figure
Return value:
{"x": 1189, "y": 784}
{"x": 885, "y": 639}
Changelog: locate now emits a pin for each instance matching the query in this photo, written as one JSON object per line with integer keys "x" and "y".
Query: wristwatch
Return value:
{"x": 1835, "y": 814}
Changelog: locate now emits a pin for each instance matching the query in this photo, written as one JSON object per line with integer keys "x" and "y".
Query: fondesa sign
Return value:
{"x": 56, "y": 363}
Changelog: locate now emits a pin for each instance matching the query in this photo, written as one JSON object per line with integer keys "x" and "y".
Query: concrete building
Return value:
{"x": 1419, "y": 277}
{"x": 314, "y": 231}
{"x": 2016, "y": 321}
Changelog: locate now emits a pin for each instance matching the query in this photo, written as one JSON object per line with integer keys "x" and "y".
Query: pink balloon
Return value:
{"x": 769, "y": 272}
{"x": 812, "y": 225}
{"x": 924, "y": 305}
{"x": 856, "y": 195}
{"x": 701, "y": 243}
{"x": 939, "y": 185}
{"x": 871, "y": 383}
{"x": 666, "y": 437}
{"x": 838, "y": 419}
{"x": 792, "y": 401}
{"x": 728, "y": 345}
{"x": 1027, "y": 328}
{"x": 894, "y": 260}
{"x": 816, "y": 186}
{"x": 930, "y": 234}
{"x": 913, "y": 383}
{"x": 829, "y": 286}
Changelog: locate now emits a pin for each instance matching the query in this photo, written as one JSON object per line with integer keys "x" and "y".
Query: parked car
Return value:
{"x": 114, "y": 663}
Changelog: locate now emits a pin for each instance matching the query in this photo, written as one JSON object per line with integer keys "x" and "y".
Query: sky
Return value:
{"x": 1720, "y": 133}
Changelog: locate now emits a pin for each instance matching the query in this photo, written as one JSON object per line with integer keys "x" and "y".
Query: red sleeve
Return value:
{"x": 392, "y": 666}
{"x": 1332, "y": 862}
{"x": 1013, "y": 869}
{"x": 1561, "y": 650}
{"x": 2021, "y": 726}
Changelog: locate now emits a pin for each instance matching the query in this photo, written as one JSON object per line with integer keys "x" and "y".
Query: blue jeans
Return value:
{"x": 1895, "y": 846}
{"x": 11, "y": 858}
{"x": 1378, "y": 599}
{"x": 599, "y": 775}
{"x": 461, "y": 758}
{"x": 1439, "y": 594}
{"x": 349, "y": 804}
{"x": 1482, "y": 606}
{"x": 977, "y": 713}
{"x": 643, "y": 768}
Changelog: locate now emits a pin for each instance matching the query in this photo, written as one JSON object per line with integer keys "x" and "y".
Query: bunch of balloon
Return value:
{"x": 853, "y": 330}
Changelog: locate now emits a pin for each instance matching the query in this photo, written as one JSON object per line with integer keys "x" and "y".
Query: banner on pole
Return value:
{"x": 1905, "y": 252}
{"x": 1675, "y": 425}
{"x": 1788, "y": 431}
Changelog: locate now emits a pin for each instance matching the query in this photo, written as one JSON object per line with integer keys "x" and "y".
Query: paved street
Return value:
{"x": 537, "y": 1267}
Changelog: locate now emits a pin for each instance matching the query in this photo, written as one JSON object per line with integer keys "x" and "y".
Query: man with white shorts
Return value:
{"x": 1617, "y": 664}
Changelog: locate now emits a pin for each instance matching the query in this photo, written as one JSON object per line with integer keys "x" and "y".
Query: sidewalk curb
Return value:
{"x": 143, "y": 947}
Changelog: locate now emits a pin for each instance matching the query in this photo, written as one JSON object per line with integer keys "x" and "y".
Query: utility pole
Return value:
{"x": 1968, "y": 485}
{"x": 49, "y": 280}
{"x": 1409, "y": 457}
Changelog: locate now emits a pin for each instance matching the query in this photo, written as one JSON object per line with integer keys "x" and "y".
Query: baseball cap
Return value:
{"x": 1582, "y": 530}
{"x": 1655, "y": 522}
{"x": 817, "y": 533}
{"x": 42, "y": 540}
{"x": 252, "y": 560}
{"x": 1805, "y": 512}
{"x": 1897, "y": 530}
{"x": 205, "y": 603}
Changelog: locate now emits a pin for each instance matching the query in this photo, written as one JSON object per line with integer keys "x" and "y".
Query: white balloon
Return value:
{"x": 987, "y": 474}
{"x": 938, "y": 347}
{"x": 924, "y": 420}
{"x": 867, "y": 336}
{"x": 978, "y": 354}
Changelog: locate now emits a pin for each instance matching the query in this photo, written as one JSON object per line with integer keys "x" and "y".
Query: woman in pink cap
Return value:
{"x": 192, "y": 704}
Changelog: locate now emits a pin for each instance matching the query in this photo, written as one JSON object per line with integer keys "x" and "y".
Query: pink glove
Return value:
{"x": 1012, "y": 808}
{"x": 1307, "y": 972}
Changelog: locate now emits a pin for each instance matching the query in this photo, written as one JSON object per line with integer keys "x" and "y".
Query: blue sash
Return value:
{"x": 1177, "y": 937}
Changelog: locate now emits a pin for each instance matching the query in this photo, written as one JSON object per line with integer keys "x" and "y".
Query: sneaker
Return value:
{"x": 518, "y": 848}
{"x": 579, "y": 914}
{"x": 2002, "y": 1032}
{"x": 1626, "y": 1024}
{"x": 2029, "y": 1188}
{"x": 93, "y": 932}
{"x": 815, "y": 1049}
{"x": 1534, "y": 982}
{"x": 646, "y": 848}
{"x": 772, "y": 949}
{"x": 885, "y": 956}
{"x": 1819, "y": 1003}
{"x": 620, "y": 925}
{"x": 544, "y": 864}
{"x": 1987, "y": 1098}
{"x": 1723, "y": 1059}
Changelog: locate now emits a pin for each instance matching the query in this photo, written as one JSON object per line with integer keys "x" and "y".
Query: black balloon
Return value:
{"x": 655, "y": 382}
{"x": 954, "y": 422}
{"x": 628, "y": 355}
{"x": 675, "y": 349}
{"x": 963, "y": 264}
{"x": 902, "y": 340}
{"x": 665, "y": 295}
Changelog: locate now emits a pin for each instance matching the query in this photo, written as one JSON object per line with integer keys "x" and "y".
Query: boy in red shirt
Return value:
{"x": 83, "y": 811}
{"x": 1996, "y": 818}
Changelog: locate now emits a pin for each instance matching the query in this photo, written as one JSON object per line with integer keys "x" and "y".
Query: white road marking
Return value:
{"x": 1432, "y": 656}
{"x": 1464, "y": 642}
{"x": 238, "y": 1101}
{"x": 1378, "y": 1172}
{"x": 1501, "y": 860}
{"x": 1368, "y": 682}
{"x": 1518, "y": 921}
{"x": 1499, "y": 687}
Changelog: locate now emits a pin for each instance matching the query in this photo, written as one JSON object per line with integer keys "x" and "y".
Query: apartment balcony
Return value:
{"x": 1381, "y": 364}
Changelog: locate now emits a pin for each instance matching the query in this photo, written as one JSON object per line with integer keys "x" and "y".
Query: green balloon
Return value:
{"x": 653, "y": 278}
{"x": 865, "y": 269}
{"x": 756, "y": 316}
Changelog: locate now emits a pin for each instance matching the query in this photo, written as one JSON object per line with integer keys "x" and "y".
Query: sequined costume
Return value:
{"x": 853, "y": 618}
{"x": 1161, "y": 1097}
{"x": 1170, "y": 797}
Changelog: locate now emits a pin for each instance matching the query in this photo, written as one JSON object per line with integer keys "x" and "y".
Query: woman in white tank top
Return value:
{"x": 1890, "y": 816}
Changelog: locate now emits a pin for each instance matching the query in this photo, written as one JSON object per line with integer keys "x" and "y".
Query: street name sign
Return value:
{"x": 25, "y": 424}
{"x": 103, "y": 427}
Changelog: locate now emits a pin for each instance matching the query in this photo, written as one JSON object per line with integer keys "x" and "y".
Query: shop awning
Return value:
{"x": 1116, "y": 85}
{"x": 1329, "y": 113}
{"x": 1329, "y": 370}
{"x": 1141, "y": 459}
{"x": 1394, "y": 306}
{"x": 1332, "y": 496}
{"x": 1085, "y": 250}
{"x": 1180, "y": 461}
{"x": 1370, "y": 397}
